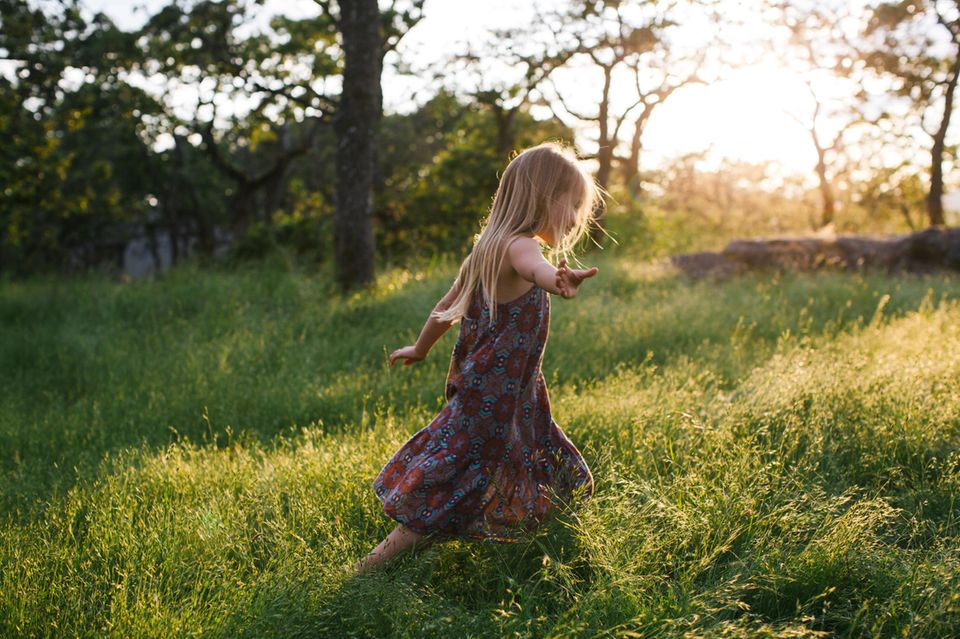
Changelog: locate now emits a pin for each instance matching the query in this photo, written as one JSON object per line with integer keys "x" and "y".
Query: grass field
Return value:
{"x": 775, "y": 456}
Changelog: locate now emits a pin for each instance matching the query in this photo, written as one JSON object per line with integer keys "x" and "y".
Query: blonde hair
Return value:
{"x": 544, "y": 187}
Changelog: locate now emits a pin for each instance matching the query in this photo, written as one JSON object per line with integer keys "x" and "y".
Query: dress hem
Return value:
{"x": 462, "y": 536}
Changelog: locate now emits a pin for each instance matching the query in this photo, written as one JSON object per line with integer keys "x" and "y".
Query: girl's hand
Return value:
{"x": 408, "y": 353}
{"x": 569, "y": 279}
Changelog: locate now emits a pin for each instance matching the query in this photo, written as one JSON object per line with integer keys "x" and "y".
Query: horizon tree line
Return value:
{"x": 77, "y": 162}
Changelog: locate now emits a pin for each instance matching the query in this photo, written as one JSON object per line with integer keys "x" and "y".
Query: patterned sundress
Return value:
{"x": 493, "y": 464}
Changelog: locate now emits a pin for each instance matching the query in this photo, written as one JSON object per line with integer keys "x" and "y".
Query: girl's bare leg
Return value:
{"x": 398, "y": 541}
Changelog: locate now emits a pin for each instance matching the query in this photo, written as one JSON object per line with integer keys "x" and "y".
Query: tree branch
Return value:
{"x": 954, "y": 35}
{"x": 563, "y": 103}
{"x": 325, "y": 9}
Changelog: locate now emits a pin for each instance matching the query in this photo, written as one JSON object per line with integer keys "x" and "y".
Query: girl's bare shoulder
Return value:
{"x": 524, "y": 255}
{"x": 522, "y": 245}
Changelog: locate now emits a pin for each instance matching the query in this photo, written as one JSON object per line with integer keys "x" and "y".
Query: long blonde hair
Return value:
{"x": 544, "y": 187}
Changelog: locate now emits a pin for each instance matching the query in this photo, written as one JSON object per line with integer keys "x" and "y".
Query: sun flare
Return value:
{"x": 746, "y": 116}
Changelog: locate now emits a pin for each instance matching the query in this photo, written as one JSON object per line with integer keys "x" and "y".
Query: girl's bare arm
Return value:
{"x": 529, "y": 263}
{"x": 433, "y": 329}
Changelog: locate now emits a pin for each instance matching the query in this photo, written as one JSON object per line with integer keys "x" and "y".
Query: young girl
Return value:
{"x": 493, "y": 462}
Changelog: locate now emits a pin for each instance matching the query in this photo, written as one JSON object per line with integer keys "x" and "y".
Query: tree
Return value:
{"x": 884, "y": 175}
{"x": 366, "y": 35}
{"x": 917, "y": 43}
{"x": 504, "y": 76}
{"x": 630, "y": 43}
{"x": 894, "y": 192}
{"x": 650, "y": 95}
{"x": 279, "y": 73}
{"x": 438, "y": 187}
{"x": 823, "y": 54}
{"x": 355, "y": 126}
{"x": 72, "y": 164}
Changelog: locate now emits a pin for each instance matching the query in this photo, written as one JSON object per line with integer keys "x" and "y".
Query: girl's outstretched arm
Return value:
{"x": 529, "y": 263}
{"x": 432, "y": 330}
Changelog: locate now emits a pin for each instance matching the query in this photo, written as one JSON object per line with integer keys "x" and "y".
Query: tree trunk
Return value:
{"x": 604, "y": 144}
{"x": 506, "y": 132}
{"x": 935, "y": 196}
{"x": 905, "y": 210}
{"x": 631, "y": 169}
{"x": 355, "y": 125}
{"x": 826, "y": 193}
{"x": 605, "y": 149}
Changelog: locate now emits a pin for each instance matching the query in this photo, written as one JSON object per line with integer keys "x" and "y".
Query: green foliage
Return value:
{"x": 79, "y": 160}
{"x": 437, "y": 194}
{"x": 72, "y": 165}
{"x": 305, "y": 230}
{"x": 88, "y": 161}
{"x": 775, "y": 456}
{"x": 894, "y": 196}
{"x": 71, "y": 179}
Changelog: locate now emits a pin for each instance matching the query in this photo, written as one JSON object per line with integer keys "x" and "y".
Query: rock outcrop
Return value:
{"x": 936, "y": 248}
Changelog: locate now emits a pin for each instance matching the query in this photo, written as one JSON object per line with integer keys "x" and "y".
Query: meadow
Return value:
{"x": 775, "y": 456}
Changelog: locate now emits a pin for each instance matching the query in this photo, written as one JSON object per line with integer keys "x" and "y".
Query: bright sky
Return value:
{"x": 744, "y": 116}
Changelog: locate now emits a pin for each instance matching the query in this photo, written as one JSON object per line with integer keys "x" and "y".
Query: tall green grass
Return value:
{"x": 775, "y": 456}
